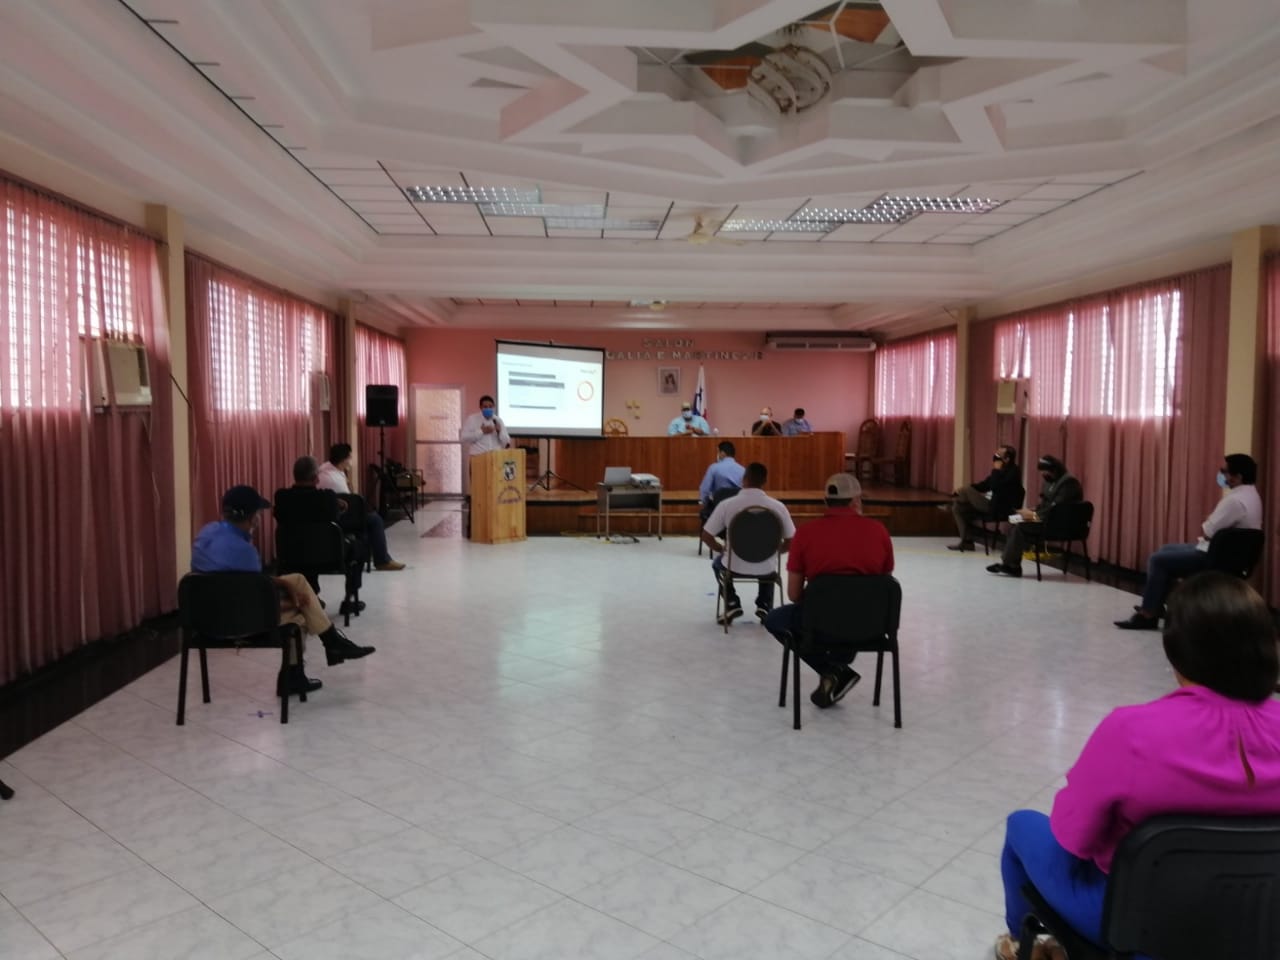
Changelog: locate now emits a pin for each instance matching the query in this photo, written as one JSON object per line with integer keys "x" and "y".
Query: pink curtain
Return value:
{"x": 1127, "y": 387}
{"x": 87, "y": 503}
{"x": 379, "y": 360}
{"x": 1269, "y": 461}
{"x": 253, "y": 354}
{"x": 915, "y": 379}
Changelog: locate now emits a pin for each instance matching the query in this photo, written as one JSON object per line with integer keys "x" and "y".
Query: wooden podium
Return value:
{"x": 497, "y": 496}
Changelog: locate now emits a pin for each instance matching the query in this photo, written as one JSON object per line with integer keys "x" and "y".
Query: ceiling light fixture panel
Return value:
{"x": 601, "y": 223}
{"x": 576, "y": 211}
{"x": 892, "y": 209}
{"x": 421, "y": 194}
{"x": 777, "y": 226}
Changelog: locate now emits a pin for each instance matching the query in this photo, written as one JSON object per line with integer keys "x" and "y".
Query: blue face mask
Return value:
{"x": 688, "y": 415}
{"x": 488, "y": 413}
{"x": 1222, "y": 480}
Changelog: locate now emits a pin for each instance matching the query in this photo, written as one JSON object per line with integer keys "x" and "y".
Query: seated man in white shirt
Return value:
{"x": 483, "y": 431}
{"x": 335, "y": 475}
{"x": 751, "y": 495}
{"x": 1240, "y": 506}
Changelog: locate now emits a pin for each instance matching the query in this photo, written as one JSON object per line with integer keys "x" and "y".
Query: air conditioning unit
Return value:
{"x": 130, "y": 381}
{"x": 848, "y": 342}
{"x": 1011, "y": 396}
{"x": 320, "y": 400}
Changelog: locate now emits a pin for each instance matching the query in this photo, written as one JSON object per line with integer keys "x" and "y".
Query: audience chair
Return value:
{"x": 1236, "y": 551}
{"x": 1181, "y": 888}
{"x": 613, "y": 427}
{"x": 231, "y": 610}
{"x": 704, "y": 512}
{"x": 999, "y": 515}
{"x": 868, "y": 447}
{"x": 353, "y": 522}
{"x": 755, "y": 536}
{"x": 1068, "y": 523}
{"x": 862, "y": 612}
{"x": 313, "y": 549}
{"x": 901, "y": 459}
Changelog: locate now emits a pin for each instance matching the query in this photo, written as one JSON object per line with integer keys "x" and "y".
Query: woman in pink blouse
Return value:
{"x": 1212, "y": 746}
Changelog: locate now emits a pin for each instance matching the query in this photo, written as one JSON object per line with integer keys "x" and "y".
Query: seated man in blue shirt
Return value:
{"x": 224, "y": 547}
{"x": 725, "y": 473}
{"x": 797, "y": 426}
{"x": 688, "y": 424}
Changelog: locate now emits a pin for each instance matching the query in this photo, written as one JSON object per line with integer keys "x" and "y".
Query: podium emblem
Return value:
{"x": 508, "y": 470}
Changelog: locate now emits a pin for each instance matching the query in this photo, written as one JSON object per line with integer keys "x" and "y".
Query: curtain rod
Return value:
{"x": 78, "y": 205}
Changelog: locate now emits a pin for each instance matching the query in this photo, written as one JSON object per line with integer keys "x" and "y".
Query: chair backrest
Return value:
{"x": 1000, "y": 509}
{"x": 314, "y": 546}
{"x": 352, "y": 519}
{"x": 754, "y": 535}
{"x": 724, "y": 493}
{"x": 1069, "y": 521}
{"x": 1190, "y": 888}
{"x": 228, "y": 605}
{"x": 902, "y": 449}
{"x": 853, "y": 608}
{"x": 1236, "y": 551}
{"x": 869, "y": 438}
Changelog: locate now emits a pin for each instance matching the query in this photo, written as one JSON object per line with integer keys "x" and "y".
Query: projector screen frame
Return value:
{"x": 547, "y": 433}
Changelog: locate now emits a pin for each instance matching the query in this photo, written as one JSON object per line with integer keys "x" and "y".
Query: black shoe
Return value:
{"x": 762, "y": 611}
{"x": 961, "y": 547}
{"x": 730, "y": 614}
{"x": 339, "y": 648}
{"x": 821, "y": 696}
{"x": 351, "y": 606}
{"x": 1004, "y": 568}
{"x": 846, "y": 680}
{"x": 295, "y": 681}
{"x": 1139, "y": 622}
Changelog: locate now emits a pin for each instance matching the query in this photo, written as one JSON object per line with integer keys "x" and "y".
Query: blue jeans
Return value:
{"x": 824, "y": 657}
{"x": 377, "y": 535}
{"x": 1075, "y": 888}
{"x": 764, "y": 589}
{"x": 1170, "y": 561}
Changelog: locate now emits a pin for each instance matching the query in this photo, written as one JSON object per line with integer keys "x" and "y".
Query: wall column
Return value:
{"x": 348, "y": 431}
{"x": 960, "y": 466}
{"x": 167, "y": 224}
{"x": 1246, "y": 348}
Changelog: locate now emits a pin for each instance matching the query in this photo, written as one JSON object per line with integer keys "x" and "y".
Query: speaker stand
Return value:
{"x": 548, "y": 475}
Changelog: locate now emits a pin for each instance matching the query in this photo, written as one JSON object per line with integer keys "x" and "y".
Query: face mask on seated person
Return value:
{"x": 488, "y": 413}
{"x": 764, "y": 416}
{"x": 688, "y": 415}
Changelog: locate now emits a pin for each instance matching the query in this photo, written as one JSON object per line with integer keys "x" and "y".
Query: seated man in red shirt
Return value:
{"x": 841, "y": 541}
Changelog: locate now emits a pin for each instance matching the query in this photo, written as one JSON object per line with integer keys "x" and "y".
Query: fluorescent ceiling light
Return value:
{"x": 777, "y": 226}
{"x": 587, "y": 211}
{"x": 600, "y": 223}
{"x": 892, "y": 209}
{"x": 473, "y": 194}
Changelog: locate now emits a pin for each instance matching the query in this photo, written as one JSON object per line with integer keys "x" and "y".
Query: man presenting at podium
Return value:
{"x": 483, "y": 431}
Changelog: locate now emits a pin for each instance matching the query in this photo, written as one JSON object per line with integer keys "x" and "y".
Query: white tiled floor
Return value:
{"x": 557, "y": 754}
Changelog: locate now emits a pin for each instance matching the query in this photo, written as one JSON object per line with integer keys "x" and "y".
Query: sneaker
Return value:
{"x": 762, "y": 611}
{"x": 846, "y": 680}
{"x": 389, "y": 565}
{"x": 730, "y": 614}
{"x": 821, "y": 696}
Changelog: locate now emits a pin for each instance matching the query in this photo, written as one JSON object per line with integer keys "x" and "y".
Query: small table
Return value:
{"x": 629, "y": 498}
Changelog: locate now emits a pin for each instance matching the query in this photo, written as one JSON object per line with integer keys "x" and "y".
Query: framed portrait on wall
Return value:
{"x": 668, "y": 381}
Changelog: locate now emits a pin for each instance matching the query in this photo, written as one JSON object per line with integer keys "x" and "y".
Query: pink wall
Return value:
{"x": 834, "y": 389}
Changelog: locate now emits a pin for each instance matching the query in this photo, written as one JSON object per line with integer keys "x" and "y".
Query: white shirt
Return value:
{"x": 726, "y": 510}
{"x": 477, "y": 441}
{"x": 331, "y": 478}
{"x": 1239, "y": 507}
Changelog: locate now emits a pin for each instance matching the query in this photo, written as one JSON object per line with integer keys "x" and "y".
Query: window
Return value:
{"x": 916, "y": 378}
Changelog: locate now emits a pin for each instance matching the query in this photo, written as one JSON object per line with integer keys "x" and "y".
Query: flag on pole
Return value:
{"x": 700, "y": 395}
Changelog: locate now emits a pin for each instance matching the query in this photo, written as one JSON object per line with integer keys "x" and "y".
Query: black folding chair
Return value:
{"x": 1236, "y": 551}
{"x": 232, "y": 610}
{"x": 1181, "y": 888}
{"x": 860, "y": 612}
{"x": 1068, "y": 523}
{"x": 753, "y": 536}
{"x": 704, "y": 513}
{"x": 315, "y": 548}
{"x": 999, "y": 514}
{"x": 354, "y": 523}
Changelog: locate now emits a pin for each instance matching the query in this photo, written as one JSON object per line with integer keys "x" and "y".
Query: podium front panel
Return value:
{"x": 498, "y": 496}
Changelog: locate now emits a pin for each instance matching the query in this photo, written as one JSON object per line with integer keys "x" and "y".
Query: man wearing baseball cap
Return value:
{"x": 841, "y": 541}
{"x": 225, "y": 546}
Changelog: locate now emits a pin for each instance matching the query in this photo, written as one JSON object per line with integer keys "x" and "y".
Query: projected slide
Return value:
{"x": 547, "y": 390}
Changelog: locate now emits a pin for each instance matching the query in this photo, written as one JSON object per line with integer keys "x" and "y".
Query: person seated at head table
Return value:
{"x": 1060, "y": 487}
{"x": 1209, "y": 748}
{"x": 991, "y": 499}
{"x": 688, "y": 424}
{"x": 797, "y": 426}
{"x": 335, "y": 475}
{"x": 724, "y": 473}
{"x": 225, "y": 546}
{"x": 1240, "y": 507}
{"x": 717, "y": 525}
{"x": 765, "y": 425}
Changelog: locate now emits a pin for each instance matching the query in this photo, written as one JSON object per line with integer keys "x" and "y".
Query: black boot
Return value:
{"x": 338, "y": 647}
{"x": 294, "y": 681}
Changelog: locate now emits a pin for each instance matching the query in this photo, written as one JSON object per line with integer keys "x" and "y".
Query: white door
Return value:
{"x": 436, "y": 412}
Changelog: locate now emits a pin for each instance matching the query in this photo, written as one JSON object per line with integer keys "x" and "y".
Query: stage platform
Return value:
{"x": 905, "y": 511}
